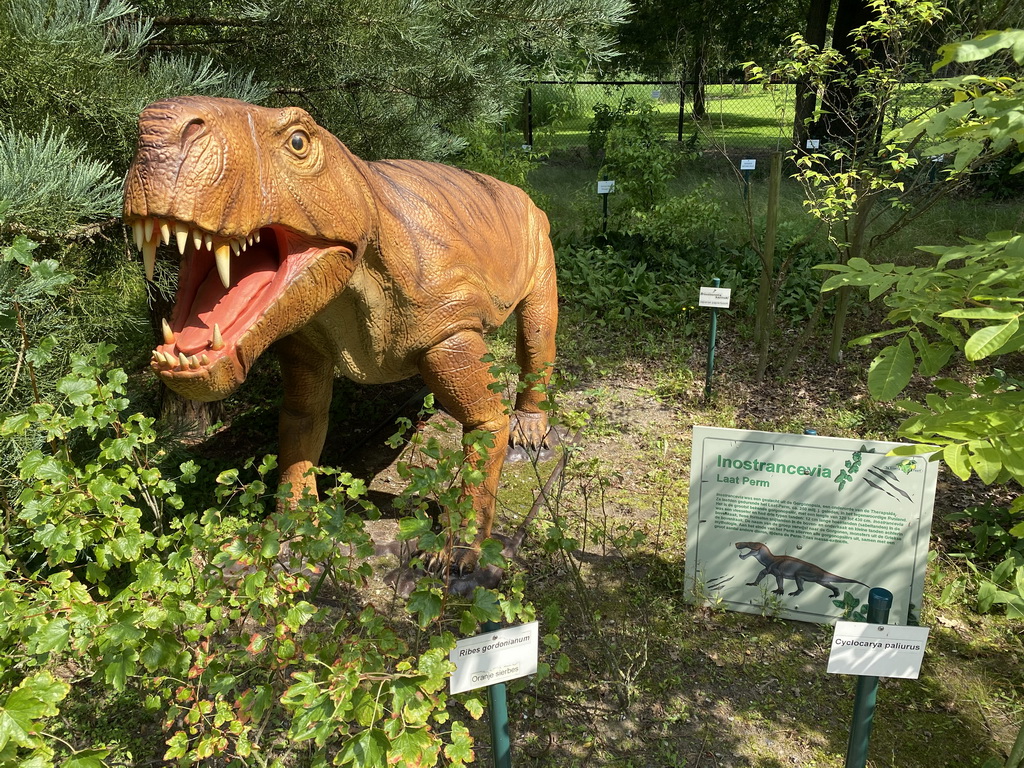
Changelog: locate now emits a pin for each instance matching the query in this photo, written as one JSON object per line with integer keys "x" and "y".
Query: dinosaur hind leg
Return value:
{"x": 536, "y": 322}
{"x": 462, "y": 382}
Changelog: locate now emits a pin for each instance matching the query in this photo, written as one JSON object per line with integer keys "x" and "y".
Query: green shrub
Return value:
{"x": 214, "y": 617}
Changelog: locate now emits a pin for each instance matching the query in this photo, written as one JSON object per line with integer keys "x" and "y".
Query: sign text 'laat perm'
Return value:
{"x": 879, "y": 650}
{"x": 714, "y": 297}
{"x": 494, "y": 657}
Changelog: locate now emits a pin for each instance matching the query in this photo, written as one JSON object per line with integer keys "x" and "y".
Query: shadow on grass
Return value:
{"x": 656, "y": 681}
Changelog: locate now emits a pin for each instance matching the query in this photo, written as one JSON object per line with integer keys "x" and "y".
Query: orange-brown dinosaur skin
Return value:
{"x": 381, "y": 270}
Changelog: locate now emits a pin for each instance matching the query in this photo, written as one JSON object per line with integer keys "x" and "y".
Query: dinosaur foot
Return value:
{"x": 460, "y": 577}
{"x": 530, "y": 438}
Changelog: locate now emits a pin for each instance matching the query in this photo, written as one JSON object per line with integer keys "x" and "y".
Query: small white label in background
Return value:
{"x": 748, "y": 164}
{"x": 714, "y": 297}
{"x": 937, "y": 158}
{"x": 494, "y": 657}
{"x": 813, "y": 143}
{"x": 655, "y": 94}
{"x": 527, "y": 147}
{"x": 605, "y": 187}
{"x": 880, "y": 650}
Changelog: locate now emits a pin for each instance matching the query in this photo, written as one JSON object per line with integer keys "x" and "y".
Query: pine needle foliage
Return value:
{"x": 392, "y": 78}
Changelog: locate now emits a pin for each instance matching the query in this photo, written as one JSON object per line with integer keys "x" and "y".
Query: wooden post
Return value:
{"x": 682, "y": 106}
{"x": 762, "y": 322}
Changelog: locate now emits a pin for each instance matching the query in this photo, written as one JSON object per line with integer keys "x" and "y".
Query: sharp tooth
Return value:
{"x": 250, "y": 240}
{"x": 183, "y": 360}
{"x": 244, "y": 245}
{"x": 181, "y": 233}
{"x": 148, "y": 225}
{"x": 159, "y": 357}
{"x": 223, "y": 256}
{"x": 197, "y": 239}
{"x": 235, "y": 247}
{"x": 168, "y": 333}
{"x": 165, "y": 232}
{"x": 193, "y": 362}
{"x": 138, "y": 234}
{"x": 149, "y": 258}
{"x": 218, "y": 340}
{"x": 257, "y": 237}
{"x": 208, "y": 241}
{"x": 204, "y": 359}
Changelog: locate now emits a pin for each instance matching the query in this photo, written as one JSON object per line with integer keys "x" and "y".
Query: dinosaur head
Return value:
{"x": 268, "y": 212}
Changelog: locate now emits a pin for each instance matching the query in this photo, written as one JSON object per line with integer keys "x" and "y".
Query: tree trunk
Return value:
{"x": 805, "y": 98}
{"x": 189, "y": 419}
{"x": 700, "y": 77}
{"x": 841, "y": 121}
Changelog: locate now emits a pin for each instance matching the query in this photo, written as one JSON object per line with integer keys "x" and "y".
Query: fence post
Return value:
{"x": 682, "y": 107}
{"x": 528, "y": 119}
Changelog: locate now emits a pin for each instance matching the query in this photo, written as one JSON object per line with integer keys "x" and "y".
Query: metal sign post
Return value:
{"x": 497, "y": 708}
{"x": 879, "y": 603}
{"x": 605, "y": 188}
{"x": 714, "y": 297}
{"x": 747, "y": 165}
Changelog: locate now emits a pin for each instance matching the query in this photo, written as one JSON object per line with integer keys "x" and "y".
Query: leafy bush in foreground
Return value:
{"x": 213, "y": 616}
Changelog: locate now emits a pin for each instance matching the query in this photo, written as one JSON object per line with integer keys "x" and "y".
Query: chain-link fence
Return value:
{"x": 571, "y": 119}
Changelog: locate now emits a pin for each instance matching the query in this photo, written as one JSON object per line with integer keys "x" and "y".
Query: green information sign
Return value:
{"x": 804, "y": 526}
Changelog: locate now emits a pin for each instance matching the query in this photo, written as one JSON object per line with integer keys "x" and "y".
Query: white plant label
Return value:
{"x": 715, "y": 297}
{"x": 655, "y": 94}
{"x": 494, "y": 657}
{"x": 527, "y": 147}
{"x": 605, "y": 187}
{"x": 813, "y": 143}
{"x": 748, "y": 164}
{"x": 888, "y": 650}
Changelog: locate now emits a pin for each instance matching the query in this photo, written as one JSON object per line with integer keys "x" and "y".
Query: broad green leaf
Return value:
{"x": 413, "y": 527}
{"x": 52, "y": 636}
{"x": 36, "y": 697}
{"x": 987, "y": 340}
{"x": 860, "y": 341}
{"x": 982, "y": 313}
{"x": 426, "y": 604}
{"x": 890, "y": 372}
{"x": 87, "y": 758}
{"x": 956, "y": 458}
{"x": 368, "y": 749}
{"x": 460, "y": 751}
{"x": 985, "y": 460}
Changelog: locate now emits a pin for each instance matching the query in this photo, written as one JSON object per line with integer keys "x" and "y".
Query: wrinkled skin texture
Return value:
{"x": 379, "y": 270}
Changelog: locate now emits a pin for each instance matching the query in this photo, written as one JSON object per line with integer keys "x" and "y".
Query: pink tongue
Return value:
{"x": 250, "y": 275}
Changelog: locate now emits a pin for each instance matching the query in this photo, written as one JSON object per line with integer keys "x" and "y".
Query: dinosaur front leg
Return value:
{"x": 757, "y": 581}
{"x": 455, "y": 374}
{"x": 308, "y": 376}
{"x": 536, "y": 322}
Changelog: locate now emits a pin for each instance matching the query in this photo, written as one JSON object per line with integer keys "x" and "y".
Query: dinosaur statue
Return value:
{"x": 381, "y": 270}
{"x": 787, "y": 567}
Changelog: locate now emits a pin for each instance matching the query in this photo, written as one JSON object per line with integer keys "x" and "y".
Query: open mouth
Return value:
{"x": 225, "y": 286}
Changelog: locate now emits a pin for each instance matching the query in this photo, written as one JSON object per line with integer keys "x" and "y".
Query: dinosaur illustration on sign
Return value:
{"x": 381, "y": 270}
{"x": 785, "y": 567}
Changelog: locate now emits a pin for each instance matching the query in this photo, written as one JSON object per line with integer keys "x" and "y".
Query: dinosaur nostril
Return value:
{"x": 193, "y": 129}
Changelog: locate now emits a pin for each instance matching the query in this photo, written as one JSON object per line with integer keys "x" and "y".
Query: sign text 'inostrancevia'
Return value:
{"x": 494, "y": 657}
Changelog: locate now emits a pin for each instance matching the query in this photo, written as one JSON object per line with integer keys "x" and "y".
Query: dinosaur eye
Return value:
{"x": 299, "y": 143}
